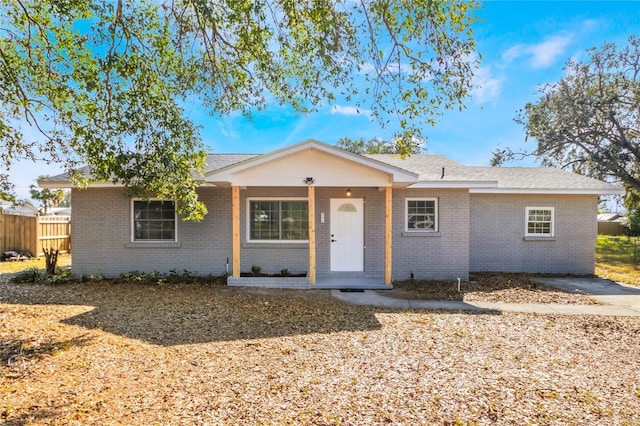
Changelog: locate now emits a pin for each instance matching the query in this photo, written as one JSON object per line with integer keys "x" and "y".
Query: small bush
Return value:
{"x": 143, "y": 277}
{"x": 62, "y": 276}
{"x": 91, "y": 277}
{"x": 173, "y": 277}
{"x": 30, "y": 275}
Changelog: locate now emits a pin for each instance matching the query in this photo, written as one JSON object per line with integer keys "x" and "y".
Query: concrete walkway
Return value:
{"x": 617, "y": 299}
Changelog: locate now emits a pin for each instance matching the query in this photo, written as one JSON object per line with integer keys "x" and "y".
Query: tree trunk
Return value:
{"x": 51, "y": 259}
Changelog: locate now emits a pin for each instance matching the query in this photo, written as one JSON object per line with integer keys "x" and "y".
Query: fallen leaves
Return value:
{"x": 104, "y": 353}
{"x": 488, "y": 287}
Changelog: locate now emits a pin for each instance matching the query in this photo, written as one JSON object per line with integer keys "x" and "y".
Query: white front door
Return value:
{"x": 347, "y": 234}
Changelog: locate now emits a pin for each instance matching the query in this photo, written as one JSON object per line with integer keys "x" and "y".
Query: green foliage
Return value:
{"x": 379, "y": 146}
{"x": 62, "y": 276}
{"x": 256, "y": 270}
{"x": 31, "y": 275}
{"x": 632, "y": 222}
{"x": 106, "y": 83}
{"x": 173, "y": 277}
{"x": 589, "y": 121}
{"x": 47, "y": 197}
{"x": 39, "y": 276}
{"x": 91, "y": 277}
{"x": 632, "y": 199}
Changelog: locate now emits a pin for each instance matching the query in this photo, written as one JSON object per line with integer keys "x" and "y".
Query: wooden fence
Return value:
{"x": 33, "y": 233}
{"x": 611, "y": 228}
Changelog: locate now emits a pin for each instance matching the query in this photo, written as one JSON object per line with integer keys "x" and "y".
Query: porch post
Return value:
{"x": 387, "y": 235}
{"x": 235, "y": 229}
{"x": 312, "y": 234}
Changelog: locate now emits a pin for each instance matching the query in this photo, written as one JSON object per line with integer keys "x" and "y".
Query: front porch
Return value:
{"x": 333, "y": 185}
{"x": 304, "y": 283}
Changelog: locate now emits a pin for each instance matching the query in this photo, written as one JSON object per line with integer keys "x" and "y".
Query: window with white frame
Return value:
{"x": 539, "y": 222}
{"x": 153, "y": 220}
{"x": 421, "y": 215}
{"x": 278, "y": 219}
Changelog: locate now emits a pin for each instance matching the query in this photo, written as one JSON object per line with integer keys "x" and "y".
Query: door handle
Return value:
{"x": 333, "y": 241}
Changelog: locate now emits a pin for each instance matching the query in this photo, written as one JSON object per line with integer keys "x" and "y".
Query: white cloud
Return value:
{"x": 349, "y": 110}
{"x": 540, "y": 55}
{"x": 227, "y": 129}
{"x": 545, "y": 53}
{"x": 486, "y": 87}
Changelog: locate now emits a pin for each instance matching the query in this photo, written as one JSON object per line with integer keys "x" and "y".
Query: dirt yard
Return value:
{"x": 135, "y": 354}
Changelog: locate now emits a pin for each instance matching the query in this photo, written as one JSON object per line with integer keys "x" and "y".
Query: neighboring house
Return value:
{"x": 611, "y": 224}
{"x": 22, "y": 208}
{"x": 315, "y": 208}
{"x": 59, "y": 211}
{"x": 610, "y": 217}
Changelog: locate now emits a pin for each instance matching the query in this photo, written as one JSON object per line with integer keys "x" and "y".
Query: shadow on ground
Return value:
{"x": 180, "y": 314}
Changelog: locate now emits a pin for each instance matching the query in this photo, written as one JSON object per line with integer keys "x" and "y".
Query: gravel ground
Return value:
{"x": 105, "y": 353}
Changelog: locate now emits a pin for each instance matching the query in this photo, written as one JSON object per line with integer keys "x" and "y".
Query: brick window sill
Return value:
{"x": 532, "y": 238}
{"x": 153, "y": 245}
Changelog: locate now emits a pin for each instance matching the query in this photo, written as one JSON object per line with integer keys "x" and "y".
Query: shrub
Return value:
{"x": 30, "y": 275}
{"x": 92, "y": 277}
{"x": 62, "y": 276}
{"x": 143, "y": 277}
{"x": 632, "y": 222}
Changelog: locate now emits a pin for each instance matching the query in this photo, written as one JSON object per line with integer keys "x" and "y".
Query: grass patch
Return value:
{"x": 615, "y": 259}
{"x": 64, "y": 260}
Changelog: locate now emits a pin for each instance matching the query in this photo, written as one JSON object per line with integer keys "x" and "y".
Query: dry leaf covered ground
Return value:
{"x": 488, "y": 287}
{"x": 106, "y": 353}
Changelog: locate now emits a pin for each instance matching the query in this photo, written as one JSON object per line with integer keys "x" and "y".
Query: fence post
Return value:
{"x": 36, "y": 234}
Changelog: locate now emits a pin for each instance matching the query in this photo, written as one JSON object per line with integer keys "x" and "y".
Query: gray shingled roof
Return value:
{"x": 429, "y": 168}
{"x": 219, "y": 161}
{"x": 213, "y": 162}
{"x": 537, "y": 178}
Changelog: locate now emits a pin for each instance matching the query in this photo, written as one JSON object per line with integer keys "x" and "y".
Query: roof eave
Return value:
{"x": 552, "y": 191}
{"x": 454, "y": 184}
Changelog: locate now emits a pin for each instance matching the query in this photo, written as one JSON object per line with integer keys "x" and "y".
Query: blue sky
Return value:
{"x": 523, "y": 45}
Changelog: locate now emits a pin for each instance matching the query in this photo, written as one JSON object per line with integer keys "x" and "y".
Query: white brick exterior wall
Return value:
{"x": 439, "y": 256}
{"x": 477, "y": 232}
{"x": 101, "y": 236}
{"x": 498, "y": 234}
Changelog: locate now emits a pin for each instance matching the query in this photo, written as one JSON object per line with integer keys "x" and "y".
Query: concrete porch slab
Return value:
{"x": 322, "y": 283}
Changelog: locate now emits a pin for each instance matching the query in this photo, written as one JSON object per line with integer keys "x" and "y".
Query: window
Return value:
{"x": 422, "y": 214}
{"x": 539, "y": 221}
{"x": 278, "y": 220}
{"x": 154, "y": 220}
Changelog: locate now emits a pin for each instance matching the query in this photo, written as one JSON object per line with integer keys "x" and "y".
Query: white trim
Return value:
{"x": 526, "y": 222}
{"x": 175, "y": 221}
{"x": 436, "y": 220}
{"x": 550, "y": 191}
{"x": 481, "y": 184}
{"x": 248, "y": 215}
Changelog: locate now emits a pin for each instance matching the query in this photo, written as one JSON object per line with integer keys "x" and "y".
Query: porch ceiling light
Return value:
{"x": 348, "y": 192}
